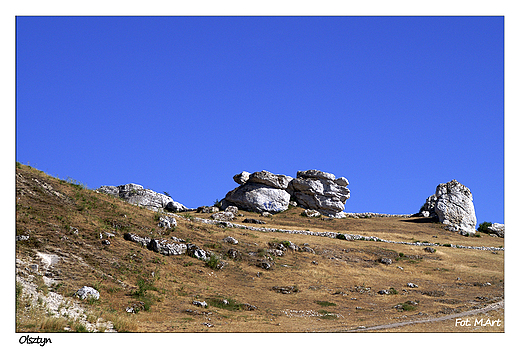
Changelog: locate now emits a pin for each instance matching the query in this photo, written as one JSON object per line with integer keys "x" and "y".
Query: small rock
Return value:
{"x": 412, "y": 285}
{"x": 267, "y": 214}
{"x": 383, "y": 292}
{"x": 264, "y": 265}
{"x": 87, "y": 292}
{"x": 249, "y": 307}
{"x": 231, "y": 240}
{"x": 386, "y": 261}
{"x": 314, "y": 262}
{"x": 233, "y": 253}
{"x": 430, "y": 250}
{"x": 105, "y": 242}
{"x": 200, "y": 303}
{"x": 223, "y": 216}
{"x": 254, "y": 221}
{"x": 232, "y": 209}
{"x": 310, "y": 213}
{"x": 207, "y": 324}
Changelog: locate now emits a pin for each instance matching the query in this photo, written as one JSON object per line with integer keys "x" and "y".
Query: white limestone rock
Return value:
{"x": 452, "y": 204}
{"x": 257, "y": 197}
{"x": 497, "y": 229}
{"x": 314, "y": 189}
{"x": 138, "y": 195}
{"x": 241, "y": 178}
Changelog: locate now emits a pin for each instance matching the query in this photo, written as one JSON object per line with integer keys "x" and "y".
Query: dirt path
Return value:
{"x": 494, "y": 306}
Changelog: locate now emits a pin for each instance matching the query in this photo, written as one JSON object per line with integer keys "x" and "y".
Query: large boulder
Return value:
{"x": 267, "y": 192}
{"x": 138, "y": 195}
{"x": 452, "y": 204}
{"x": 270, "y": 179}
{"x": 257, "y": 197}
{"x": 321, "y": 191}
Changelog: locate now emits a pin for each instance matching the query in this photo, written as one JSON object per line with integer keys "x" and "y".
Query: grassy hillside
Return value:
{"x": 333, "y": 283}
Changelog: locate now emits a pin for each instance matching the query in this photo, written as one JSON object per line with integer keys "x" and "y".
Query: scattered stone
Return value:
{"x": 286, "y": 290}
{"x": 310, "y": 213}
{"x": 386, "y": 261}
{"x": 22, "y": 238}
{"x": 135, "y": 307}
{"x": 74, "y": 231}
{"x": 232, "y": 209}
{"x": 267, "y": 214}
{"x": 105, "y": 242}
{"x": 254, "y": 221}
{"x": 412, "y": 285}
{"x": 430, "y": 250}
{"x": 223, "y": 216}
{"x": 314, "y": 262}
{"x": 307, "y": 249}
{"x": 249, "y": 307}
{"x": 195, "y": 252}
{"x": 205, "y": 209}
{"x": 87, "y": 292}
{"x": 231, "y": 240}
{"x": 207, "y": 324}
{"x": 233, "y": 253}
{"x": 200, "y": 303}
{"x": 383, "y": 292}
{"x": 167, "y": 222}
{"x": 264, "y": 264}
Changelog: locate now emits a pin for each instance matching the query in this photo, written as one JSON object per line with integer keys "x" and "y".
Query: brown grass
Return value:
{"x": 344, "y": 273}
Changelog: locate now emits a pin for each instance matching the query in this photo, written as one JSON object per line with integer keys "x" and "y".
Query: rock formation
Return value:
{"x": 267, "y": 192}
{"x": 452, "y": 204}
{"x": 136, "y": 194}
{"x": 497, "y": 229}
{"x": 314, "y": 189}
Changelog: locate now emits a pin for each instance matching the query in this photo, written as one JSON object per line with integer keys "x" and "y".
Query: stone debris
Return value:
{"x": 200, "y": 303}
{"x": 87, "y": 292}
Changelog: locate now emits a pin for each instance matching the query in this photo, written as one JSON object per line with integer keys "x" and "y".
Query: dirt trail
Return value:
{"x": 494, "y": 306}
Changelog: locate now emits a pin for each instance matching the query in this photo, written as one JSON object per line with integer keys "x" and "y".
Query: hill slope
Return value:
{"x": 322, "y": 284}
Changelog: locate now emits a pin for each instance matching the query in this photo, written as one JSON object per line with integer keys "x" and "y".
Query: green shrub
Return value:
{"x": 341, "y": 236}
{"x": 483, "y": 227}
{"x": 213, "y": 262}
{"x": 325, "y": 303}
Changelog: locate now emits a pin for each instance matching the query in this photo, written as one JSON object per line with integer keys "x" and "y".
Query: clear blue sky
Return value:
{"x": 396, "y": 105}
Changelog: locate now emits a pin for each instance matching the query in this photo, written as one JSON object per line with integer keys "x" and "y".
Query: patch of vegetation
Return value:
{"x": 341, "y": 236}
{"x": 214, "y": 262}
{"x": 325, "y": 303}
{"x": 226, "y": 304}
{"x": 484, "y": 227}
{"x": 142, "y": 294}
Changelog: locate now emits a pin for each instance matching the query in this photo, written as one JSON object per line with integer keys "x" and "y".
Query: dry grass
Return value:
{"x": 344, "y": 275}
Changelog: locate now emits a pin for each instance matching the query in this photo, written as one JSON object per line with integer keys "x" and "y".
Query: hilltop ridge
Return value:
{"x": 264, "y": 279}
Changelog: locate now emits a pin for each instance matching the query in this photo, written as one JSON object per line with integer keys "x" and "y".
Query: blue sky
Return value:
{"x": 396, "y": 105}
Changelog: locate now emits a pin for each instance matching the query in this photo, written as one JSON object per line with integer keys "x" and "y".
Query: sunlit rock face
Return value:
{"x": 452, "y": 204}
{"x": 311, "y": 189}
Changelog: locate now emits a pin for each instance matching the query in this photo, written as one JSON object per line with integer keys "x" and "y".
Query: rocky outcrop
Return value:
{"x": 138, "y": 195}
{"x": 267, "y": 192}
{"x": 497, "y": 229}
{"x": 314, "y": 189}
{"x": 258, "y": 197}
{"x": 452, "y": 204}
